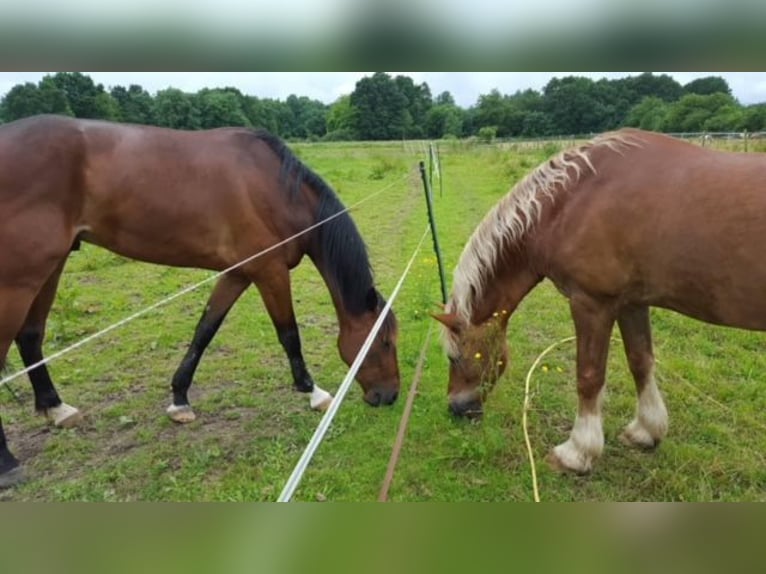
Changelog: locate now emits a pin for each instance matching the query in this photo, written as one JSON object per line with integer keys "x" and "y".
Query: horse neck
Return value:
{"x": 512, "y": 279}
{"x": 346, "y": 317}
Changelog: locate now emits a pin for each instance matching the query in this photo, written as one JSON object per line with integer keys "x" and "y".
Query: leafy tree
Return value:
{"x": 647, "y": 84}
{"x": 307, "y": 117}
{"x": 86, "y": 99}
{"x": 24, "y": 100}
{"x": 379, "y": 108}
{"x": 418, "y": 103}
{"x": 136, "y": 105}
{"x": 444, "y": 120}
{"x": 536, "y": 124}
{"x": 444, "y": 99}
{"x": 21, "y": 101}
{"x": 707, "y": 86}
{"x": 177, "y": 109}
{"x": 106, "y": 107}
{"x": 649, "y": 114}
{"x": 754, "y": 119}
{"x": 573, "y": 107}
{"x": 726, "y": 118}
{"x": 219, "y": 108}
{"x": 491, "y": 110}
{"x": 383, "y": 108}
{"x": 487, "y": 133}
{"x": 340, "y": 119}
{"x": 262, "y": 113}
{"x": 616, "y": 99}
{"x": 695, "y": 113}
{"x": 525, "y": 114}
{"x": 470, "y": 123}
{"x": 506, "y": 113}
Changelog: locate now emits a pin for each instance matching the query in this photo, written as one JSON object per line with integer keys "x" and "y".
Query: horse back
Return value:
{"x": 666, "y": 223}
{"x": 196, "y": 199}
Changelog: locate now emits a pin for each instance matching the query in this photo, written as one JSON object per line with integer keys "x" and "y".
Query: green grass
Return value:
{"x": 252, "y": 427}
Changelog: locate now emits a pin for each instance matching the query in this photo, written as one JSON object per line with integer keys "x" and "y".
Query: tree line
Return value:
{"x": 382, "y": 107}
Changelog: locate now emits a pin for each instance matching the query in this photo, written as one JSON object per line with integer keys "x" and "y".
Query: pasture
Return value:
{"x": 252, "y": 427}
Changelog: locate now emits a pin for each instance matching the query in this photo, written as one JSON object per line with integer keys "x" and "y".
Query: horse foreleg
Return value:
{"x": 29, "y": 340}
{"x": 225, "y": 293}
{"x": 593, "y": 325}
{"x": 274, "y": 287}
{"x": 650, "y": 424}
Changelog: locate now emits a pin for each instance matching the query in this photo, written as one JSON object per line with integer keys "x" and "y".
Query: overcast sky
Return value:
{"x": 748, "y": 87}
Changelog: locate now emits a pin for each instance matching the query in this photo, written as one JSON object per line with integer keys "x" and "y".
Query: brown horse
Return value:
{"x": 193, "y": 199}
{"x": 628, "y": 221}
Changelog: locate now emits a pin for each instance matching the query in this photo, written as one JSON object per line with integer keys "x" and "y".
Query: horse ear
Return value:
{"x": 372, "y": 300}
{"x": 449, "y": 320}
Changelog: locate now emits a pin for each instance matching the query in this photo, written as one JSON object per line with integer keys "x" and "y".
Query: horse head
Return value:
{"x": 478, "y": 356}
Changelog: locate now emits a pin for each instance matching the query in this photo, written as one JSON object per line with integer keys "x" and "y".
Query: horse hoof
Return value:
{"x": 641, "y": 442}
{"x": 320, "y": 399}
{"x": 12, "y": 477}
{"x": 181, "y": 413}
{"x": 558, "y": 465}
{"x": 64, "y": 416}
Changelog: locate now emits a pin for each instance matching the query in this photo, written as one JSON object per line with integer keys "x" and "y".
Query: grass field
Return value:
{"x": 252, "y": 427}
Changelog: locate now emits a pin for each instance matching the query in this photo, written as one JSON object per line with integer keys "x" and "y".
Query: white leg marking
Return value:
{"x": 320, "y": 399}
{"x": 650, "y": 425}
{"x": 585, "y": 443}
{"x": 64, "y": 416}
{"x": 181, "y": 413}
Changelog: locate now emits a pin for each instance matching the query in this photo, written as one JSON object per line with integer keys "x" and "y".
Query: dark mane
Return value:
{"x": 343, "y": 250}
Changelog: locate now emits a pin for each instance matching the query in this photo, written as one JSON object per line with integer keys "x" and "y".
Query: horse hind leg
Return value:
{"x": 14, "y": 306}
{"x": 650, "y": 425}
{"x": 11, "y": 472}
{"x": 29, "y": 340}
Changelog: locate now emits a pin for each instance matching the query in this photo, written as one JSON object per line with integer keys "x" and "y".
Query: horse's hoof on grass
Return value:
{"x": 64, "y": 416}
{"x": 556, "y": 464}
{"x": 644, "y": 443}
{"x": 181, "y": 413}
{"x": 320, "y": 399}
{"x": 12, "y": 477}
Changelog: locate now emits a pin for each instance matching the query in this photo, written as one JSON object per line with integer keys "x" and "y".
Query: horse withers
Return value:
{"x": 630, "y": 220}
{"x": 207, "y": 199}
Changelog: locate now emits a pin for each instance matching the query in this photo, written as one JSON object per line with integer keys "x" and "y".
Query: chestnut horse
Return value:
{"x": 629, "y": 220}
{"x": 205, "y": 199}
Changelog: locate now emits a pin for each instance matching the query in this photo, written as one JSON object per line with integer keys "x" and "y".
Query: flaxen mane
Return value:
{"x": 518, "y": 212}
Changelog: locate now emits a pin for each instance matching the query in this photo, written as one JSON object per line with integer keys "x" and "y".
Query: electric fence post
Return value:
{"x": 434, "y": 234}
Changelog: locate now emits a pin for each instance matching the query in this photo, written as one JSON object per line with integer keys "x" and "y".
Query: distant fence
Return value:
{"x": 734, "y": 141}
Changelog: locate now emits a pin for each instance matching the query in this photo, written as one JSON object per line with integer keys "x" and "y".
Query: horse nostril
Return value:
{"x": 373, "y": 398}
{"x": 389, "y": 397}
{"x": 470, "y": 409}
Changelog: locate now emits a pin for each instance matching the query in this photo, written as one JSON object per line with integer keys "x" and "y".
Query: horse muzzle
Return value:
{"x": 468, "y": 406}
{"x": 378, "y": 397}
